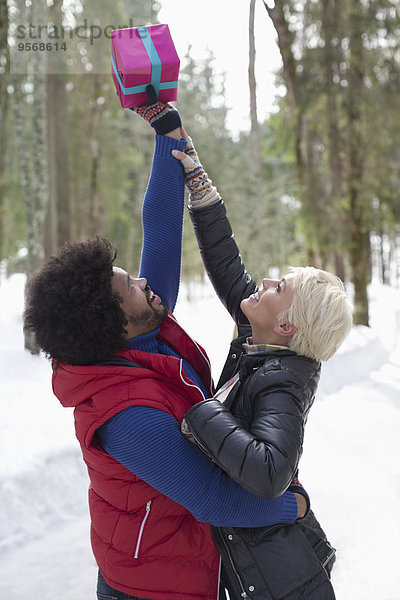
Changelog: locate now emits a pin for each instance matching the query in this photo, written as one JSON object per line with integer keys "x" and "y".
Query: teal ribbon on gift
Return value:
{"x": 155, "y": 68}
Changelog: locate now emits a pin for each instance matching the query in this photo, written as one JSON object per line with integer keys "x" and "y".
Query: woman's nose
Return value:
{"x": 267, "y": 283}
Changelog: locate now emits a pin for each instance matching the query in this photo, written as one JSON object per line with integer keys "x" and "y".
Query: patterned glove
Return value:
{"x": 186, "y": 432}
{"x": 202, "y": 192}
{"x": 163, "y": 117}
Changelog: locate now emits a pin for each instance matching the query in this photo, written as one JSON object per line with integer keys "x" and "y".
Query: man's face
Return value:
{"x": 143, "y": 309}
{"x": 262, "y": 309}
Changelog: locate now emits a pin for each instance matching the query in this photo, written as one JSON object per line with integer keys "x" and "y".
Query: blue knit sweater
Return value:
{"x": 148, "y": 441}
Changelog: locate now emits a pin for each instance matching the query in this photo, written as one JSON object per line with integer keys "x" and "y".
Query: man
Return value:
{"x": 131, "y": 372}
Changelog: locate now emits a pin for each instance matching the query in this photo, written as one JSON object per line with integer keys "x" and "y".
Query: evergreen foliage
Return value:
{"x": 341, "y": 71}
{"x": 321, "y": 185}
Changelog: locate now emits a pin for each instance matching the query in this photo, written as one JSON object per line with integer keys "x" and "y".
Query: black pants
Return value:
{"x": 105, "y": 592}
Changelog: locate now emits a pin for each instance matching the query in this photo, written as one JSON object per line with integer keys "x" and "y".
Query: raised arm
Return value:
{"x": 163, "y": 204}
{"x": 162, "y": 219}
{"x": 219, "y": 251}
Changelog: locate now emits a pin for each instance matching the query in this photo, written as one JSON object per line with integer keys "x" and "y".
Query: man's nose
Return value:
{"x": 141, "y": 282}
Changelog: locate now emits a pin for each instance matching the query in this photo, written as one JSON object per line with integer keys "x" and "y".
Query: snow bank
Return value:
{"x": 42, "y": 477}
{"x": 361, "y": 353}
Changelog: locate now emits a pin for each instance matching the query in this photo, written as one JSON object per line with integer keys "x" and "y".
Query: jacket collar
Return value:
{"x": 172, "y": 333}
{"x": 74, "y": 384}
{"x": 251, "y": 348}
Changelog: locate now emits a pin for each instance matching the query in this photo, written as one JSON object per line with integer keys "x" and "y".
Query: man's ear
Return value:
{"x": 285, "y": 329}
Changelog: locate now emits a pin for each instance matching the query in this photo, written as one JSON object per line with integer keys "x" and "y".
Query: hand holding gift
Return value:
{"x": 163, "y": 117}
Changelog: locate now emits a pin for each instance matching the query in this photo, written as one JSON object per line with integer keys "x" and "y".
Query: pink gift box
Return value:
{"x": 143, "y": 55}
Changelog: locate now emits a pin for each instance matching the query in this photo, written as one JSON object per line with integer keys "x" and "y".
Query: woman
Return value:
{"x": 253, "y": 428}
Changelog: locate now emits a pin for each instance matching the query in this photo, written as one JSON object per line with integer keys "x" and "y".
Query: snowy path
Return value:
{"x": 59, "y": 566}
{"x": 350, "y": 462}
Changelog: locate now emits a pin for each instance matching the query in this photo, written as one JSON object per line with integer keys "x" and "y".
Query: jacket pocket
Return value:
{"x": 142, "y": 525}
{"x": 253, "y": 536}
{"x": 316, "y": 536}
{"x": 287, "y": 563}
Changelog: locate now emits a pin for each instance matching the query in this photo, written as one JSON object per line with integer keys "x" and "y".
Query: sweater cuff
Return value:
{"x": 164, "y": 145}
{"x": 211, "y": 198}
{"x": 298, "y": 489}
{"x": 290, "y": 508}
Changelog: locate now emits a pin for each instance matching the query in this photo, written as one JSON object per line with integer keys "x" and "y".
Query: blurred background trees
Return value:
{"x": 316, "y": 183}
{"x": 340, "y": 67}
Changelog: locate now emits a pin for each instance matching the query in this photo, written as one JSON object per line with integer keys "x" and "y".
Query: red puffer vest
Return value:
{"x": 145, "y": 544}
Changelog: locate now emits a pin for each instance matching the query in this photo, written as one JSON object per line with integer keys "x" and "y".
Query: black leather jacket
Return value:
{"x": 256, "y": 436}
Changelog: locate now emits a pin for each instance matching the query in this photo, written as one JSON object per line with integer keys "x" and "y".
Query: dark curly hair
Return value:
{"x": 70, "y": 306}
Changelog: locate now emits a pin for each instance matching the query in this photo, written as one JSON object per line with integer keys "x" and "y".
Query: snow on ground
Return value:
{"x": 349, "y": 467}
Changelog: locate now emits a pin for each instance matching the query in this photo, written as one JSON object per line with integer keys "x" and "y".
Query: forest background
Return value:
{"x": 316, "y": 183}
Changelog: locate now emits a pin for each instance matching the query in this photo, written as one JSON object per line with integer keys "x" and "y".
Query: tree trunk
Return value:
{"x": 397, "y": 257}
{"x": 285, "y": 39}
{"x": 255, "y": 205}
{"x": 384, "y": 258}
{"x": 339, "y": 266}
{"x": 359, "y": 246}
{"x": 337, "y": 188}
{"x": 255, "y": 129}
{"x": 308, "y": 192}
{"x": 37, "y": 199}
{"x": 329, "y": 28}
{"x": 25, "y": 167}
{"x": 4, "y": 80}
{"x": 51, "y": 235}
{"x": 95, "y": 149}
{"x": 59, "y": 214}
{"x": 59, "y": 217}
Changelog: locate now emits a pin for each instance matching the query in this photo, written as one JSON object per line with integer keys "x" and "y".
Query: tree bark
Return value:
{"x": 309, "y": 192}
{"x": 59, "y": 214}
{"x": 359, "y": 246}
{"x": 95, "y": 149}
{"x": 252, "y": 77}
{"x": 59, "y": 218}
{"x": 33, "y": 161}
{"x": 4, "y": 80}
{"x": 337, "y": 188}
{"x": 255, "y": 205}
{"x": 329, "y": 31}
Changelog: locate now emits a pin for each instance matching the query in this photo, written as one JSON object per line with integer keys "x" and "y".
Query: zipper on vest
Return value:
{"x": 148, "y": 505}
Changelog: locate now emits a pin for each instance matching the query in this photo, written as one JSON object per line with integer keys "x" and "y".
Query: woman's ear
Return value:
{"x": 285, "y": 329}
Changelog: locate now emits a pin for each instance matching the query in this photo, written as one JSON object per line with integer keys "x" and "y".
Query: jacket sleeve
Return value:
{"x": 263, "y": 459}
{"x": 222, "y": 259}
{"x": 149, "y": 443}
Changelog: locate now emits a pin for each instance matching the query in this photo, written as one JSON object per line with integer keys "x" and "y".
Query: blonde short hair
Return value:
{"x": 321, "y": 312}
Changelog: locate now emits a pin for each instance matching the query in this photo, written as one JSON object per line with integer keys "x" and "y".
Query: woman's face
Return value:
{"x": 262, "y": 309}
